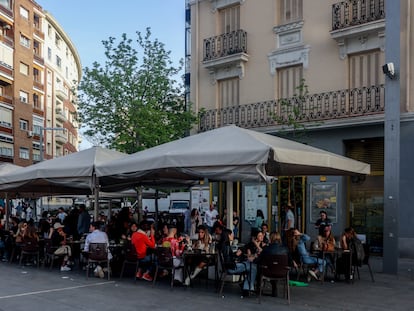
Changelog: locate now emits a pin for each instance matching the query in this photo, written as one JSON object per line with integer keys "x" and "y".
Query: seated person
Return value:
{"x": 58, "y": 239}
{"x": 275, "y": 247}
{"x": 343, "y": 262}
{"x": 143, "y": 240}
{"x": 237, "y": 263}
{"x": 97, "y": 236}
{"x": 266, "y": 234}
{"x": 326, "y": 243}
{"x": 202, "y": 244}
{"x": 256, "y": 245}
{"x": 177, "y": 246}
{"x": 306, "y": 258}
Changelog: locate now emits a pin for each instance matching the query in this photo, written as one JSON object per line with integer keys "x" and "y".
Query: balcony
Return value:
{"x": 356, "y": 12}
{"x": 7, "y": 40}
{"x": 6, "y": 11}
{"x": 6, "y": 99}
{"x": 61, "y": 93}
{"x": 39, "y": 59}
{"x": 335, "y": 106}
{"x": 358, "y": 25}
{"x": 38, "y": 32}
{"x": 225, "y": 55}
{"x": 6, "y": 70}
{"x": 60, "y": 138}
{"x": 38, "y": 84}
{"x": 59, "y": 115}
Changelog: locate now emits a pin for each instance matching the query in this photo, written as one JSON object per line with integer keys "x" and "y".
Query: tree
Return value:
{"x": 130, "y": 104}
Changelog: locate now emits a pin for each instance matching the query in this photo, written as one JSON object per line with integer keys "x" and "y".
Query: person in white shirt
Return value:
{"x": 210, "y": 217}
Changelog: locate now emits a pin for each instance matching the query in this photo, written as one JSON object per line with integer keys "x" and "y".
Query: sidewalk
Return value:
{"x": 23, "y": 288}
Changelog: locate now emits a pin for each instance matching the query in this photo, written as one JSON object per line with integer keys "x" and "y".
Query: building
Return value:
{"x": 39, "y": 67}
{"x": 310, "y": 70}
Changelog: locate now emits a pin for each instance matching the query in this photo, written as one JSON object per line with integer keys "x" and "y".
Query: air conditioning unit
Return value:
{"x": 29, "y": 134}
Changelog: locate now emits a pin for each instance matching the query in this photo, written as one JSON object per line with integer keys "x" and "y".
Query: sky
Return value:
{"x": 88, "y": 22}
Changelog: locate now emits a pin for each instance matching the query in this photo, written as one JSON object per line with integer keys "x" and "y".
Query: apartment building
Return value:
{"x": 38, "y": 68}
{"x": 310, "y": 70}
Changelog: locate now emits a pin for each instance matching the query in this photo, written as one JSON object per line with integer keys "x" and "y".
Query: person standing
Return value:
{"x": 210, "y": 217}
{"x": 322, "y": 222}
{"x": 84, "y": 221}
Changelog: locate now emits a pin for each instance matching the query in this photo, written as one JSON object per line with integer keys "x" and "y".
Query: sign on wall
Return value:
{"x": 323, "y": 197}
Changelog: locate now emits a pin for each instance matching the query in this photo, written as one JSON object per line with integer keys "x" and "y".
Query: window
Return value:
{"x": 36, "y": 21}
{"x": 58, "y": 61}
{"x": 57, "y": 40}
{"x": 290, "y": 10}
{"x": 289, "y": 79}
{"x": 36, "y": 47}
{"x": 36, "y": 75}
{"x": 24, "y": 97}
{"x": 24, "y": 153}
{"x": 6, "y": 3}
{"x": 6, "y": 151}
{"x": 5, "y": 117}
{"x": 24, "y": 69}
{"x": 365, "y": 69}
{"x": 49, "y": 30}
{"x": 24, "y": 125}
{"x": 24, "y": 41}
{"x": 230, "y": 19}
{"x": 24, "y": 13}
{"x": 36, "y": 101}
{"x": 228, "y": 92}
{"x": 49, "y": 53}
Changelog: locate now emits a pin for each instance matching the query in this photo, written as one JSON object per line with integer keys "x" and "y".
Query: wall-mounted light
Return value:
{"x": 388, "y": 70}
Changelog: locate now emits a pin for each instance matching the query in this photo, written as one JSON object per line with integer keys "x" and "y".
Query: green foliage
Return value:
{"x": 292, "y": 109}
{"x": 132, "y": 102}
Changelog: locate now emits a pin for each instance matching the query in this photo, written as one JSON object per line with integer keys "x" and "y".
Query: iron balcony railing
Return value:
{"x": 225, "y": 44}
{"x": 356, "y": 12}
{"x": 321, "y": 107}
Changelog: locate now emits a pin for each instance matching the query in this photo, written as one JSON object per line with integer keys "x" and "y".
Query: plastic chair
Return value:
{"x": 130, "y": 259}
{"x": 275, "y": 268}
{"x": 97, "y": 254}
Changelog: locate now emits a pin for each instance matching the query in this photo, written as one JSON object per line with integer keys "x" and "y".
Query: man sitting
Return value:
{"x": 97, "y": 236}
{"x": 143, "y": 240}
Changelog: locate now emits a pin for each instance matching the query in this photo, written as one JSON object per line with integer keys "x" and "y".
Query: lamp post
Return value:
{"x": 41, "y": 137}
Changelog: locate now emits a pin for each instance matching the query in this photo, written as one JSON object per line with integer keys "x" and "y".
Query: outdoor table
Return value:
{"x": 210, "y": 256}
{"x": 335, "y": 255}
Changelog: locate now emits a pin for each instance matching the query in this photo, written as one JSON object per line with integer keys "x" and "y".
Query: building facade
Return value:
{"x": 311, "y": 71}
{"x": 39, "y": 67}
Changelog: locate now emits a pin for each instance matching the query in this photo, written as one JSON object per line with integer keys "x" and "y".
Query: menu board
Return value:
{"x": 200, "y": 199}
{"x": 323, "y": 197}
{"x": 255, "y": 198}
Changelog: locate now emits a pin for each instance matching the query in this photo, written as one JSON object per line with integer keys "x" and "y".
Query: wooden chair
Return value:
{"x": 30, "y": 249}
{"x": 275, "y": 268}
{"x": 130, "y": 259}
{"x": 97, "y": 254}
{"x": 49, "y": 253}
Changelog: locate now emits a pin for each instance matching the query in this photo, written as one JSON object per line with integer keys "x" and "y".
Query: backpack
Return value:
{"x": 358, "y": 253}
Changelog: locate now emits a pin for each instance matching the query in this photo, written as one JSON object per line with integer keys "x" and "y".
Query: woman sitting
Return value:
{"x": 237, "y": 263}
{"x": 202, "y": 244}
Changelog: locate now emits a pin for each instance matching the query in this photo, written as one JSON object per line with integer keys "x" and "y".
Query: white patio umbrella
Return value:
{"x": 228, "y": 153}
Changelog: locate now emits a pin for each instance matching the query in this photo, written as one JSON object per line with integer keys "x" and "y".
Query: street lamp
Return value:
{"x": 41, "y": 137}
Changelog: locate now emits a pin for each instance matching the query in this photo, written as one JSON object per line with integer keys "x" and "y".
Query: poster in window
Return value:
{"x": 255, "y": 198}
{"x": 323, "y": 197}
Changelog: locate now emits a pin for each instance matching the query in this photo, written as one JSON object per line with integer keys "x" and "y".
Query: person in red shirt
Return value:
{"x": 177, "y": 246}
{"x": 142, "y": 240}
